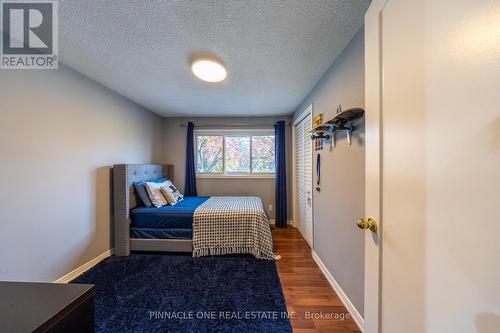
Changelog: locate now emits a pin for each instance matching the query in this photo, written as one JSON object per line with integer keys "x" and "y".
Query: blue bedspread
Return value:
{"x": 167, "y": 221}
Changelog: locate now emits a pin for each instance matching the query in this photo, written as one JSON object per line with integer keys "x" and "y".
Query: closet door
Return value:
{"x": 300, "y": 203}
{"x": 303, "y": 176}
{"x": 307, "y": 230}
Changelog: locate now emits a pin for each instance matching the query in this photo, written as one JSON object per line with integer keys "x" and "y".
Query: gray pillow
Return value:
{"x": 142, "y": 194}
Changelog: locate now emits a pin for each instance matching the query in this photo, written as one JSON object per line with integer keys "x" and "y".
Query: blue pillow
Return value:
{"x": 142, "y": 193}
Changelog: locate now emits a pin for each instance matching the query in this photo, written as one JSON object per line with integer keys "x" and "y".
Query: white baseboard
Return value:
{"x": 273, "y": 222}
{"x": 83, "y": 268}
{"x": 342, "y": 295}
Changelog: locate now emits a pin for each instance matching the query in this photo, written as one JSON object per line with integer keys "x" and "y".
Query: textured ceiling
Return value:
{"x": 275, "y": 51}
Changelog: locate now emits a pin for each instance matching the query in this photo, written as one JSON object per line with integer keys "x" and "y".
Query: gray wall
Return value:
{"x": 337, "y": 240}
{"x": 175, "y": 153}
{"x": 59, "y": 134}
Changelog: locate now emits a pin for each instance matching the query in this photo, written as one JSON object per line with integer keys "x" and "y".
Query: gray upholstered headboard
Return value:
{"x": 124, "y": 198}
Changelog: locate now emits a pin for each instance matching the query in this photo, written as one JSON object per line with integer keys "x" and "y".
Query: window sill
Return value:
{"x": 200, "y": 176}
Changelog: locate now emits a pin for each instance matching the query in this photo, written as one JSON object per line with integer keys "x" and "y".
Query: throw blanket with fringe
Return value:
{"x": 232, "y": 225}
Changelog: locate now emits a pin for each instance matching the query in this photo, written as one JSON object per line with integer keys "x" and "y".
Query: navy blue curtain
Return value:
{"x": 190, "y": 181}
{"x": 280, "y": 197}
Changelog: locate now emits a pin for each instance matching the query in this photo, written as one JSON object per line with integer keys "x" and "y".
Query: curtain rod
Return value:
{"x": 231, "y": 125}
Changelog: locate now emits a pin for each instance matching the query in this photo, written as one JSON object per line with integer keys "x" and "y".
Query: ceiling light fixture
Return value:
{"x": 208, "y": 70}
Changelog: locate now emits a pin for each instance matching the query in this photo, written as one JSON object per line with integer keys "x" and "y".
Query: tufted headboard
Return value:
{"x": 124, "y": 198}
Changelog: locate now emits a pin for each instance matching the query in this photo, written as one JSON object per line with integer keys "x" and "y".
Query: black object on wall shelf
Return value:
{"x": 343, "y": 121}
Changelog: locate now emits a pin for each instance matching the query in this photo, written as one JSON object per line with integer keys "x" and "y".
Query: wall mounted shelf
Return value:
{"x": 343, "y": 121}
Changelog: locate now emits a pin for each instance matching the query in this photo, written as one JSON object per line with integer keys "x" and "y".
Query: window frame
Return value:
{"x": 232, "y": 132}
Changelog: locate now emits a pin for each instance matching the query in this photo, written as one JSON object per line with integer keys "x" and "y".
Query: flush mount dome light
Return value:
{"x": 208, "y": 70}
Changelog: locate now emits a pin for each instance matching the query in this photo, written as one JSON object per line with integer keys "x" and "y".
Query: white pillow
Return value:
{"x": 172, "y": 194}
{"x": 154, "y": 193}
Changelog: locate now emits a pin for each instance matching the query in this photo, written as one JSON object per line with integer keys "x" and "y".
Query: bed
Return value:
{"x": 201, "y": 225}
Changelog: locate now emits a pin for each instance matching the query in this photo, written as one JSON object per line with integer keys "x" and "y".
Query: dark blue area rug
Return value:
{"x": 178, "y": 293}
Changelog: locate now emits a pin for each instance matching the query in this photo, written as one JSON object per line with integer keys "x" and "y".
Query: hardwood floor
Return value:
{"x": 308, "y": 294}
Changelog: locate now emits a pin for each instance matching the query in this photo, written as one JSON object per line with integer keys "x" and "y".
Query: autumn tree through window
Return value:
{"x": 235, "y": 153}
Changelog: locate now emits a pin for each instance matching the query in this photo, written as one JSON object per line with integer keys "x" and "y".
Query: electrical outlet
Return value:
{"x": 270, "y": 208}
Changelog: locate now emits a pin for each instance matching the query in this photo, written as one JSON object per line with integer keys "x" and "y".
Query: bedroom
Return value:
{"x": 268, "y": 234}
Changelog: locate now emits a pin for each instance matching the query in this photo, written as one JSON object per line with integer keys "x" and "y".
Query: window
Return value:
{"x": 235, "y": 153}
{"x": 209, "y": 154}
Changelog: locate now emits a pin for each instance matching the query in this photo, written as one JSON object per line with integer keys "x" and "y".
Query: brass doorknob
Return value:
{"x": 369, "y": 223}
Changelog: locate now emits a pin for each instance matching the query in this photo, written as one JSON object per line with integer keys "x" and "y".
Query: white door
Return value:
{"x": 303, "y": 176}
{"x": 433, "y": 124}
{"x": 373, "y": 167}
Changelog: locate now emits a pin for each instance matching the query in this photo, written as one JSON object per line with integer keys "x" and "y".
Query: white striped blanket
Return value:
{"x": 232, "y": 225}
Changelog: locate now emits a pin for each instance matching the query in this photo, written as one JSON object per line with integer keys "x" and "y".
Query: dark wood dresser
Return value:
{"x": 46, "y": 307}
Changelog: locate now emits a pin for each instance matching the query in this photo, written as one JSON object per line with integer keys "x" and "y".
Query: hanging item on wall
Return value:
{"x": 318, "y": 172}
{"x": 343, "y": 121}
{"x": 319, "y": 143}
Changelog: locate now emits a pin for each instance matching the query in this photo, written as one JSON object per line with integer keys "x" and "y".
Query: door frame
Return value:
{"x": 308, "y": 110}
{"x": 374, "y": 165}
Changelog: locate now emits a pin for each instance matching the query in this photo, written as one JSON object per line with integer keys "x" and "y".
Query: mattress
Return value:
{"x": 166, "y": 222}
